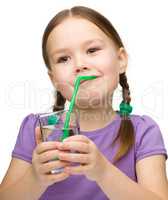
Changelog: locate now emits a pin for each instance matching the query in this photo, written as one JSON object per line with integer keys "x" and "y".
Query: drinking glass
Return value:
{"x": 52, "y": 127}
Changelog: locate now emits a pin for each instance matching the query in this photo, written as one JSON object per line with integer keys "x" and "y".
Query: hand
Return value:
{"x": 42, "y": 164}
{"x": 92, "y": 162}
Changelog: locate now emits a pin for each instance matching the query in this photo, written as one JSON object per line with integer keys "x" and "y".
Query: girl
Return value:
{"x": 121, "y": 156}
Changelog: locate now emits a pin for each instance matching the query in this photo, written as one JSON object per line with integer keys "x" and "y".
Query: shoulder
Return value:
{"x": 31, "y": 117}
{"x": 29, "y": 121}
{"x": 148, "y": 136}
{"x": 25, "y": 141}
{"x": 143, "y": 120}
{"x": 144, "y": 124}
{"x": 27, "y": 129}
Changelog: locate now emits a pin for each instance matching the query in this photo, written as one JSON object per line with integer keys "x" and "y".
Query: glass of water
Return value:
{"x": 52, "y": 127}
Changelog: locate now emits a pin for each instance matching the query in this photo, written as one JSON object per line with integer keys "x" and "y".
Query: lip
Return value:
{"x": 84, "y": 82}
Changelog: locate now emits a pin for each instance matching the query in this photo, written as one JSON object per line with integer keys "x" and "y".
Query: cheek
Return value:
{"x": 108, "y": 65}
{"x": 66, "y": 92}
{"x": 65, "y": 89}
{"x": 112, "y": 77}
{"x": 60, "y": 77}
{"x": 61, "y": 84}
{"x": 110, "y": 71}
{"x": 107, "y": 62}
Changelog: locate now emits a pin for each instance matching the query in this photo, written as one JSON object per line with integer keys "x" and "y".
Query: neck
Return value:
{"x": 92, "y": 119}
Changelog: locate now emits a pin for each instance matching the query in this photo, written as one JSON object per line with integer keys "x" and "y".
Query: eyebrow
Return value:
{"x": 87, "y": 42}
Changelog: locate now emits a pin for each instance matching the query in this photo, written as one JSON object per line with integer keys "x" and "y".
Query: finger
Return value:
{"x": 81, "y": 138}
{"x": 74, "y": 157}
{"x": 38, "y": 136}
{"x": 56, "y": 177}
{"x": 48, "y": 167}
{"x": 46, "y": 146}
{"x": 74, "y": 146}
{"x": 81, "y": 169}
{"x": 48, "y": 155}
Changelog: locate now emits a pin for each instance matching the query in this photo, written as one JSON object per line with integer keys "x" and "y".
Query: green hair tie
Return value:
{"x": 52, "y": 120}
{"x": 125, "y": 109}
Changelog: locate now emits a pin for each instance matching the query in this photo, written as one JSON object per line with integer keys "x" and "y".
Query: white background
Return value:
{"x": 24, "y": 84}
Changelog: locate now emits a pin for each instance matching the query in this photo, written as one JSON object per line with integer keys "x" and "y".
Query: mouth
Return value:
{"x": 84, "y": 82}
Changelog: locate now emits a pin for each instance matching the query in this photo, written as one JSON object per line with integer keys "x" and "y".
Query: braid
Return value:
{"x": 59, "y": 102}
{"x": 126, "y": 131}
{"x": 125, "y": 88}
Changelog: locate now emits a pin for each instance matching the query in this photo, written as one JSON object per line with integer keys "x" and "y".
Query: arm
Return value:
{"x": 20, "y": 184}
{"x": 28, "y": 181}
{"x": 152, "y": 183}
{"x": 150, "y": 186}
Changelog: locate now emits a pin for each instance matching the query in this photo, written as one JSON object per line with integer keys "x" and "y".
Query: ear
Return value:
{"x": 51, "y": 77}
{"x": 123, "y": 60}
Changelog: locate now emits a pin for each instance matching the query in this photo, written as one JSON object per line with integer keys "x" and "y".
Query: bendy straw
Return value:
{"x": 67, "y": 119}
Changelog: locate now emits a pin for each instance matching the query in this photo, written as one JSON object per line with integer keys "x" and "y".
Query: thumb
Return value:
{"x": 38, "y": 135}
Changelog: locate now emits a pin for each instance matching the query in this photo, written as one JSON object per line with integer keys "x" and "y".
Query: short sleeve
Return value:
{"x": 25, "y": 142}
{"x": 149, "y": 140}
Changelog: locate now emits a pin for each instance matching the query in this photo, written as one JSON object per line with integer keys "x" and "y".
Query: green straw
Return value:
{"x": 67, "y": 119}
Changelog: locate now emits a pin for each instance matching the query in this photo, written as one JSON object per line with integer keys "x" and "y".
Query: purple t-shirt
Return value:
{"x": 148, "y": 142}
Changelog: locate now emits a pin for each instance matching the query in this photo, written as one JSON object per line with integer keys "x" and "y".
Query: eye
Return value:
{"x": 92, "y": 50}
{"x": 62, "y": 59}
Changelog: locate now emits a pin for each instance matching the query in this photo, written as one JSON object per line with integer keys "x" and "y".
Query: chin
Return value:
{"x": 91, "y": 102}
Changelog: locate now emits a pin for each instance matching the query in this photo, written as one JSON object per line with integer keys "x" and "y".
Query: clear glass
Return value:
{"x": 52, "y": 126}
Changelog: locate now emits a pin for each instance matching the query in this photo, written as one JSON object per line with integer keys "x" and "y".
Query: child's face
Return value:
{"x": 86, "y": 50}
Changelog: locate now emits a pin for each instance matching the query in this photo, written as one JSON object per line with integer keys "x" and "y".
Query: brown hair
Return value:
{"x": 125, "y": 134}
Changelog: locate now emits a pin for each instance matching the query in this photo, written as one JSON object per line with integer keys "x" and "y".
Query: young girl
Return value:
{"x": 121, "y": 156}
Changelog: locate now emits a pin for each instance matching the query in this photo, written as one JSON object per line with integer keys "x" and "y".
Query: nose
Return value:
{"x": 81, "y": 68}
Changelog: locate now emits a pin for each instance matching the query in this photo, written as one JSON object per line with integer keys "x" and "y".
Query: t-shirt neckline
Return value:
{"x": 111, "y": 123}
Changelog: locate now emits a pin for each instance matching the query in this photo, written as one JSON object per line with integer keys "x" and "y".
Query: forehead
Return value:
{"x": 74, "y": 31}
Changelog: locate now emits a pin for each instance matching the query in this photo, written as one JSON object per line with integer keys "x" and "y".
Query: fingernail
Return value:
{"x": 55, "y": 158}
{"x": 67, "y": 169}
{"x": 60, "y": 145}
{"x": 66, "y": 139}
{"x": 57, "y": 143}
